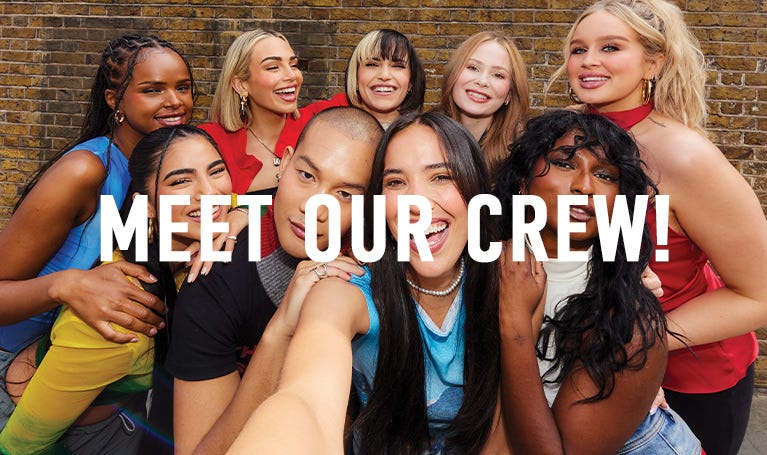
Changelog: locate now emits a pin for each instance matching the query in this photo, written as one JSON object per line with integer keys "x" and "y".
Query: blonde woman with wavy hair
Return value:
{"x": 637, "y": 63}
{"x": 251, "y": 113}
{"x": 484, "y": 87}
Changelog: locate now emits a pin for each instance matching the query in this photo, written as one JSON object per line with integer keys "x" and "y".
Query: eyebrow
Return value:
{"x": 278, "y": 58}
{"x": 190, "y": 170}
{"x": 495, "y": 67}
{"x": 428, "y": 167}
{"x": 187, "y": 80}
{"x": 604, "y": 38}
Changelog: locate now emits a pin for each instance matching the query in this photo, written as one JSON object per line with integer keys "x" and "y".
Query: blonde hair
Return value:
{"x": 680, "y": 87}
{"x": 225, "y": 108}
{"x": 509, "y": 119}
{"x": 387, "y": 44}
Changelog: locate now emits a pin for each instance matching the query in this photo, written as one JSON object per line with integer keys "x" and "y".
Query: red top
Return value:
{"x": 243, "y": 168}
{"x": 710, "y": 367}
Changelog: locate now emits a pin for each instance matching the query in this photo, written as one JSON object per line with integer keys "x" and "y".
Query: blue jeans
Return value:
{"x": 6, "y": 405}
{"x": 662, "y": 433}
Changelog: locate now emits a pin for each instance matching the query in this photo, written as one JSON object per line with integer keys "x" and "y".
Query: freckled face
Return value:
{"x": 484, "y": 82}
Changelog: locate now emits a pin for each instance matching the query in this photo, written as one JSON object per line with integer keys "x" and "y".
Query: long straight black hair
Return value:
{"x": 615, "y": 309}
{"x": 144, "y": 168}
{"x": 394, "y": 420}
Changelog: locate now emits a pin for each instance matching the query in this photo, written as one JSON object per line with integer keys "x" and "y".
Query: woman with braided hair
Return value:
{"x": 142, "y": 84}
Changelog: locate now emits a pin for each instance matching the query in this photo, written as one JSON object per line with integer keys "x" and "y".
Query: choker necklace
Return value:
{"x": 277, "y": 159}
{"x": 444, "y": 292}
{"x": 626, "y": 119}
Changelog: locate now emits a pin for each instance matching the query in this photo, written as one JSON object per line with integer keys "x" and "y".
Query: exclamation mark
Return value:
{"x": 661, "y": 227}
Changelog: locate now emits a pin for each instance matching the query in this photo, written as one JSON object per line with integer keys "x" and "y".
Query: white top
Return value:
{"x": 563, "y": 279}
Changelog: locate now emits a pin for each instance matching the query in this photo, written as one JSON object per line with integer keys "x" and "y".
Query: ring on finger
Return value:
{"x": 320, "y": 274}
{"x": 232, "y": 237}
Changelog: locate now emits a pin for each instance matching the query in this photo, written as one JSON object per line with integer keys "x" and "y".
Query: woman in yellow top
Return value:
{"x": 81, "y": 368}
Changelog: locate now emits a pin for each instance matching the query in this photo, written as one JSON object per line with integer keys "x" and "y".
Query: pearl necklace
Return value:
{"x": 444, "y": 292}
{"x": 277, "y": 159}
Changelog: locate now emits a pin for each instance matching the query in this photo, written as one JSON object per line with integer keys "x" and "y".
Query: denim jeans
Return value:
{"x": 662, "y": 433}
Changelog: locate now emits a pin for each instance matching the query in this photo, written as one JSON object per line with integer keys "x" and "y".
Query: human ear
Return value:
{"x": 111, "y": 98}
{"x": 287, "y": 155}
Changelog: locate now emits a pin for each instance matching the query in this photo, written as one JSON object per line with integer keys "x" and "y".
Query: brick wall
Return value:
{"x": 48, "y": 53}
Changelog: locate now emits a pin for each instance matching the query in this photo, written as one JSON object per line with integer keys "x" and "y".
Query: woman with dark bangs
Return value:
{"x": 385, "y": 77}
{"x": 592, "y": 374}
{"x": 417, "y": 339}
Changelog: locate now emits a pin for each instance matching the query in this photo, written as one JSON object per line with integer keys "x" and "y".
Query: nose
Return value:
{"x": 204, "y": 186}
{"x": 582, "y": 183}
{"x": 322, "y": 210}
{"x": 588, "y": 59}
{"x": 384, "y": 73}
{"x": 172, "y": 98}
{"x": 481, "y": 79}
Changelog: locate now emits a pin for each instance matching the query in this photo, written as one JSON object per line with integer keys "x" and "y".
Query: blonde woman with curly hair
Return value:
{"x": 637, "y": 63}
{"x": 484, "y": 87}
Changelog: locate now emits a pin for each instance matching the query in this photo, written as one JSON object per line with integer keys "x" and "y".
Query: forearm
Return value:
{"x": 22, "y": 299}
{"x": 528, "y": 420}
{"x": 715, "y": 316}
{"x": 257, "y": 384}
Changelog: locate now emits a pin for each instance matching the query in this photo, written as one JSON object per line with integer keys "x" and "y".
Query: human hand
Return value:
{"x": 652, "y": 282}
{"x": 103, "y": 295}
{"x": 522, "y": 286}
{"x": 237, "y": 222}
{"x": 307, "y": 274}
{"x": 659, "y": 402}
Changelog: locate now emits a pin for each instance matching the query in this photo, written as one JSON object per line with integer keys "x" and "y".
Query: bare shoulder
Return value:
{"x": 80, "y": 165}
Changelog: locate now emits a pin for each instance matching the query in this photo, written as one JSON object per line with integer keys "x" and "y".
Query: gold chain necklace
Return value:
{"x": 277, "y": 159}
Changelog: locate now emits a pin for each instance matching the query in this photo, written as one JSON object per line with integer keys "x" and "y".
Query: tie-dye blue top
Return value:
{"x": 444, "y": 356}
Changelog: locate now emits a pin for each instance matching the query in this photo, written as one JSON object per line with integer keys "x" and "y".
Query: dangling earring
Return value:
{"x": 150, "y": 230}
{"x": 647, "y": 90}
{"x": 573, "y": 96}
{"x": 243, "y": 105}
{"x": 277, "y": 175}
{"x": 119, "y": 116}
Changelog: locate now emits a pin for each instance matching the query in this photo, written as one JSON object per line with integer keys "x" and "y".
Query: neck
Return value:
{"x": 626, "y": 119}
{"x": 476, "y": 126}
{"x": 385, "y": 118}
{"x": 124, "y": 140}
{"x": 266, "y": 124}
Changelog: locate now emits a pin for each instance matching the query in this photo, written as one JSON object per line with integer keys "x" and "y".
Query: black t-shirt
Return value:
{"x": 219, "y": 319}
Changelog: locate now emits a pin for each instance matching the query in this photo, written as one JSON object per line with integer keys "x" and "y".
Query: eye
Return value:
{"x": 151, "y": 90}
{"x": 577, "y": 50}
{"x": 272, "y": 68}
{"x": 564, "y": 164}
{"x": 499, "y": 76}
{"x": 393, "y": 183}
{"x": 371, "y": 64}
{"x": 180, "y": 181}
{"x": 305, "y": 176}
{"x": 443, "y": 178}
{"x": 218, "y": 170}
{"x": 606, "y": 176}
{"x": 472, "y": 67}
{"x": 610, "y": 48}
{"x": 400, "y": 64}
{"x": 344, "y": 195}
{"x": 184, "y": 88}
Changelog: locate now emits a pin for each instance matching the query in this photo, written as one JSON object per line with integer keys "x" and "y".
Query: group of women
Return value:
{"x": 444, "y": 356}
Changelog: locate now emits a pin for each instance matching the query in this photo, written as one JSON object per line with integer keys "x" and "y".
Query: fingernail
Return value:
{"x": 134, "y": 340}
{"x": 161, "y": 325}
{"x": 152, "y": 277}
{"x": 152, "y": 332}
{"x": 653, "y": 410}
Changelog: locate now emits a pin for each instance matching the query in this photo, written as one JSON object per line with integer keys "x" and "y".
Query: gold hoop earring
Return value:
{"x": 119, "y": 117}
{"x": 573, "y": 97}
{"x": 647, "y": 90}
{"x": 150, "y": 230}
{"x": 243, "y": 105}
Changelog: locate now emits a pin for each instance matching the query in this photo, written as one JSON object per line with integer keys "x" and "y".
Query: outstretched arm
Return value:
{"x": 307, "y": 413}
{"x": 263, "y": 371}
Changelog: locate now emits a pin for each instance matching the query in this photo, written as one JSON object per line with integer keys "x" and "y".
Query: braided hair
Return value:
{"x": 115, "y": 72}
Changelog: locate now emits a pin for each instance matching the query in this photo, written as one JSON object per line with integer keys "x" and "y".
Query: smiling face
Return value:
{"x": 415, "y": 164}
{"x": 192, "y": 167}
{"x": 583, "y": 173}
{"x": 484, "y": 81}
{"x": 383, "y": 85}
{"x": 326, "y": 161}
{"x": 607, "y": 63}
{"x": 159, "y": 94}
{"x": 274, "y": 79}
